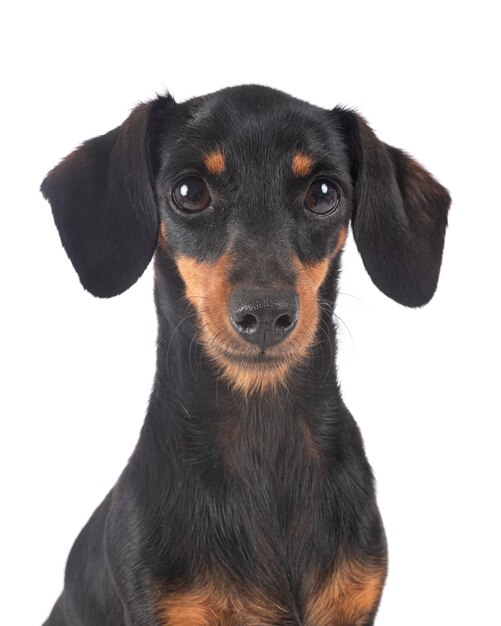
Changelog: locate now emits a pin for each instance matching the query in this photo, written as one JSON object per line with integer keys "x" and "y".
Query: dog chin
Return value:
{"x": 252, "y": 372}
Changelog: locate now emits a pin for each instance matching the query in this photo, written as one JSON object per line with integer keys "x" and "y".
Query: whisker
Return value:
{"x": 349, "y": 295}
{"x": 183, "y": 319}
{"x": 338, "y": 319}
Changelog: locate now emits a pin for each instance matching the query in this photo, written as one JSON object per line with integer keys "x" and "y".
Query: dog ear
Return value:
{"x": 103, "y": 202}
{"x": 399, "y": 215}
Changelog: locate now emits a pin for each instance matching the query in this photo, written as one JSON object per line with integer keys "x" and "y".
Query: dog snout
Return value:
{"x": 264, "y": 319}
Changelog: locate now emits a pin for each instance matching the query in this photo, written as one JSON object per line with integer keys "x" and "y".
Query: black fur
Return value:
{"x": 218, "y": 479}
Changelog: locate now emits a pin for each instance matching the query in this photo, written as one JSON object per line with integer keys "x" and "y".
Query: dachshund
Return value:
{"x": 248, "y": 499}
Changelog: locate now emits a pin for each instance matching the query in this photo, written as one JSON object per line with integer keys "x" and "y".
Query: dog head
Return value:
{"x": 251, "y": 193}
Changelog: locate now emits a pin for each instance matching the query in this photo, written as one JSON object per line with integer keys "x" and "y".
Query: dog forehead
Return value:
{"x": 256, "y": 120}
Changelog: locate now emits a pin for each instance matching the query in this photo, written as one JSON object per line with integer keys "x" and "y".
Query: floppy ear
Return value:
{"x": 103, "y": 203}
{"x": 399, "y": 216}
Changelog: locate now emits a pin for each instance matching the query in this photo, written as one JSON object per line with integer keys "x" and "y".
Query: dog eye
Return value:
{"x": 191, "y": 194}
{"x": 322, "y": 197}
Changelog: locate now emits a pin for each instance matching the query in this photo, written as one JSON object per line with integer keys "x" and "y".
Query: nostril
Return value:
{"x": 283, "y": 322}
{"x": 248, "y": 323}
{"x": 263, "y": 318}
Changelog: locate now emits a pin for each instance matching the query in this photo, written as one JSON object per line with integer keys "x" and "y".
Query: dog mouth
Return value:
{"x": 253, "y": 370}
{"x": 263, "y": 357}
{"x": 254, "y": 335}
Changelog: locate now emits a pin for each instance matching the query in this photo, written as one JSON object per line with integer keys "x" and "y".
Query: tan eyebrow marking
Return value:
{"x": 214, "y": 162}
{"x": 302, "y": 164}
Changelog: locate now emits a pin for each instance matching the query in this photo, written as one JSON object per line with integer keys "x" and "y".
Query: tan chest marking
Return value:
{"x": 345, "y": 599}
{"x": 348, "y": 597}
{"x": 212, "y": 605}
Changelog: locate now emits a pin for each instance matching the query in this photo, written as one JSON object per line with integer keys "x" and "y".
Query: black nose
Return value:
{"x": 264, "y": 319}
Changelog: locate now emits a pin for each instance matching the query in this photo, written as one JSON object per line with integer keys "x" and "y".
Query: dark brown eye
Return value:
{"x": 191, "y": 194}
{"x": 322, "y": 197}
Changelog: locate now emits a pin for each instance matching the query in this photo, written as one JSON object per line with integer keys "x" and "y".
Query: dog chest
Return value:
{"x": 346, "y": 598}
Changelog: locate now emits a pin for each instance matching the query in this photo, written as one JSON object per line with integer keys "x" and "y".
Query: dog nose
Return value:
{"x": 264, "y": 319}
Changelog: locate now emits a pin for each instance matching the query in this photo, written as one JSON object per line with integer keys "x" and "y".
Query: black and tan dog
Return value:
{"x": 248, "y": 499}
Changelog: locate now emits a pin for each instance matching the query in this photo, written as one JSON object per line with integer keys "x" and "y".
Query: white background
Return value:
{"x": 423, "y": 384}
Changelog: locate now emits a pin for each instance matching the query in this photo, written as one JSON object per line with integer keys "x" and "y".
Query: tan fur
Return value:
{"x": 208, "y": 290}
{"x": 345, "y": 599}
{"x": 162, "y": 236}
{"x": 348, "y": 597}
{"x": 309, "y": 279}
{"x": 302, "y": 164}
{"x": 215, "y": 163}
{"x": 341, "y": 240}
{"x": 214, "y": 604}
